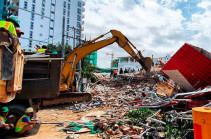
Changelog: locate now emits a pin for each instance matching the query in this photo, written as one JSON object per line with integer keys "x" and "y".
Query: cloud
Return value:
{"x": 200, "y": 26}
{"x": 151, "y": 25}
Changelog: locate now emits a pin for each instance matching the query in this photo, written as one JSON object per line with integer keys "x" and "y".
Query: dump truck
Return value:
{"x": 51, "y": 80}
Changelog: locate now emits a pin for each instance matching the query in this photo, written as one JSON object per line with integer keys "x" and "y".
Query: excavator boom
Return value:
{"x": 79, "y": 53}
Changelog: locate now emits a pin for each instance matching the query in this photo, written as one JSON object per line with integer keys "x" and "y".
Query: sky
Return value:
{"x": 157, "y": 27}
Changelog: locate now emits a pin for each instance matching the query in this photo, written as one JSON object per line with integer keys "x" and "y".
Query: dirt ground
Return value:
{"x": 49, "y": 131}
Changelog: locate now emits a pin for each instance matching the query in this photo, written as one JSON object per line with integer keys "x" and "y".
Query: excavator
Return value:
{"x": 49, "y": 80}
{"x": 76, "y": 55}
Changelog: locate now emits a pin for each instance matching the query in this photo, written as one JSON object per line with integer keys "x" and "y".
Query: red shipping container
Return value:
{"x": 189, "y": 67}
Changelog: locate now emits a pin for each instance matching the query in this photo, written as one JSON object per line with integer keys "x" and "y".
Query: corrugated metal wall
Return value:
{"x": 193, "y": 63}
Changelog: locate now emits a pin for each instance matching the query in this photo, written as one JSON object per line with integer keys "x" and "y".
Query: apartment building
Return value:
{"x": 42, "y": 21}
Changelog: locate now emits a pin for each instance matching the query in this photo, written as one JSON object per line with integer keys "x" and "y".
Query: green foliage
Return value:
{"x": 140, "y": 115}
{"x": 88, "y": 71}
{"x": 177, "y": 129}
{"x": 173, "y": 130}
{"x": 58, "y": 48}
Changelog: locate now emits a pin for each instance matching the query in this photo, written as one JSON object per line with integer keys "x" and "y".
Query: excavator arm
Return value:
{"x": 79, "y": 53}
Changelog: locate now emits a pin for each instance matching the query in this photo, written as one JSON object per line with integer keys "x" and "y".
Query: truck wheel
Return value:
{"x": 15, "y": 112}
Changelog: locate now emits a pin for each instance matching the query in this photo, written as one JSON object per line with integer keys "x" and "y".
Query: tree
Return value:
{"x": 88, "y": 70}
{"x": 58, "y": 48}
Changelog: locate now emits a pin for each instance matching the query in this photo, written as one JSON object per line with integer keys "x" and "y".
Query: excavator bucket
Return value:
{"x": 147, "y": 64}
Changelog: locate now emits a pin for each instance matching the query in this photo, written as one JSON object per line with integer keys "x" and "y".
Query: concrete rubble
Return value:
{"x": 140, "y": 105}
{"x": 135, "y": 105}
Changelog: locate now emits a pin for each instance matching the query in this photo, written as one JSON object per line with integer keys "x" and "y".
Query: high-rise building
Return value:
{"x": 3, "y": 12}
{"x": 42, "y": 21}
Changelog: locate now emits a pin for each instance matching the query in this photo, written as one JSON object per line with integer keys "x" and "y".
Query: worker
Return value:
{"x": 39, "y": 49}
{"x": 25, "y": 123}
{"x": 10, "y": 24}
{"x": 115, "y": 73}
{"x": 5, "y": 128}
{"x": 121, "y": 71}
{"x": 19, "y": 33}
{"x": 45, "y": 48}
{"x": 112, "y": 73}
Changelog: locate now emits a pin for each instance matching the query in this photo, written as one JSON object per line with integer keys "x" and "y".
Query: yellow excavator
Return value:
{"x": 49, "y": 80}
{"x": 79, "y": 53}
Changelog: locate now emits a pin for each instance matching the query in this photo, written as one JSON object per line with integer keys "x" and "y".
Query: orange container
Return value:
{"x": 202, "y": 122}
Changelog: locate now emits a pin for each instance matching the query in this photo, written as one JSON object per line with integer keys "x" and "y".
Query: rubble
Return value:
{"x": 136, "y": 105}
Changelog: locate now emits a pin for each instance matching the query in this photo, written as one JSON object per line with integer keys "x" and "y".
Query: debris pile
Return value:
{"x": 140, "y": 105}
{"x": 144, "y": 106}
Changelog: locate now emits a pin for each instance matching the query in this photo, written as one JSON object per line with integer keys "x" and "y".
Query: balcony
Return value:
{"x": 83, "y": 15}
{"x": 83, "y": 9}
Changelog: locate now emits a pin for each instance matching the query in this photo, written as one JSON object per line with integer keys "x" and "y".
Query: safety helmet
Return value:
{"x": 14, "y": 19}
{"x": 4, "y": 109}
{"x": 29, "y": 110}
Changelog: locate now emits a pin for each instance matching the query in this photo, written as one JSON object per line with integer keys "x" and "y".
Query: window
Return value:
{"x": 33, "y": 7}
{"x": 68, "y": 26}
{"x": 64, "y": 4}
{"x": 79, "y": 18}
{"x": 31, "y": 34}
{"x": 34, "y": 1}
{"x": 40, "y": 34}
{"x": 78, "y": 31}
{"x": 78, "y": 24}
{"x": 79, "y": 4}
{"x": 77, "y": 37}
{"x": 43, "y": 4}
{"x": 68, "y": 20}
{"x": 68, "y": 6}
{"x": 68, "y": 0}
{"x": 30, "y": 43}
{"x": 43, "y": 11}
{"x": 32, "y": 16}
{"x": 32, "y": 25}
{"x": 79, "y": 11}
{"x": 25, "y": 4}
{"x": 41, "y": 26}
{"x": 68, "y": 13}
{"x": 64, "y": 11}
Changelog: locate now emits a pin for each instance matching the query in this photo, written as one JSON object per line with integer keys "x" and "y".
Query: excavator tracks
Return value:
{"x": 65, "y": 98}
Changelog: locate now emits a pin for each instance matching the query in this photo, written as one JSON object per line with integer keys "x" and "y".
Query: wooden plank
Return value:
{"x": 167, "y": 87}
{"x": 16, "y": 84}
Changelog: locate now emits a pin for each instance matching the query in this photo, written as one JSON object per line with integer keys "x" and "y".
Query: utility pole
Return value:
{"x": 73, "y": 37}
{"x": 63, "y": 35}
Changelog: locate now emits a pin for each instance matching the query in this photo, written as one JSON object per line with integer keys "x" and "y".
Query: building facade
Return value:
{"x": 3, "y": 12}
{"x": 131, "y": 63}
{"x": 42, "y": 21}
{"x": 92, "y": 59}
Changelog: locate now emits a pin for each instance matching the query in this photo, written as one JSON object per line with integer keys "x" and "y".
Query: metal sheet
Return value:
{"x": 193, "y": 65}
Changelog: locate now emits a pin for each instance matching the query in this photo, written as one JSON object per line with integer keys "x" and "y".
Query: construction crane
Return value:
{"x": 112, "y": 58}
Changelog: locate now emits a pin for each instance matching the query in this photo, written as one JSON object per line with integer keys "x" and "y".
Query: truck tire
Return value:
{"x": 16, "y": 111}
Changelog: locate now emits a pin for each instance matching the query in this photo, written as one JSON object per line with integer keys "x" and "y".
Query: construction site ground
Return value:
{"x": 58, "y": 114}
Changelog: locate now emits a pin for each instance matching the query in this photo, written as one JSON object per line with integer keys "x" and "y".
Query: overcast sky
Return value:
{"x": 159, "y": 27}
